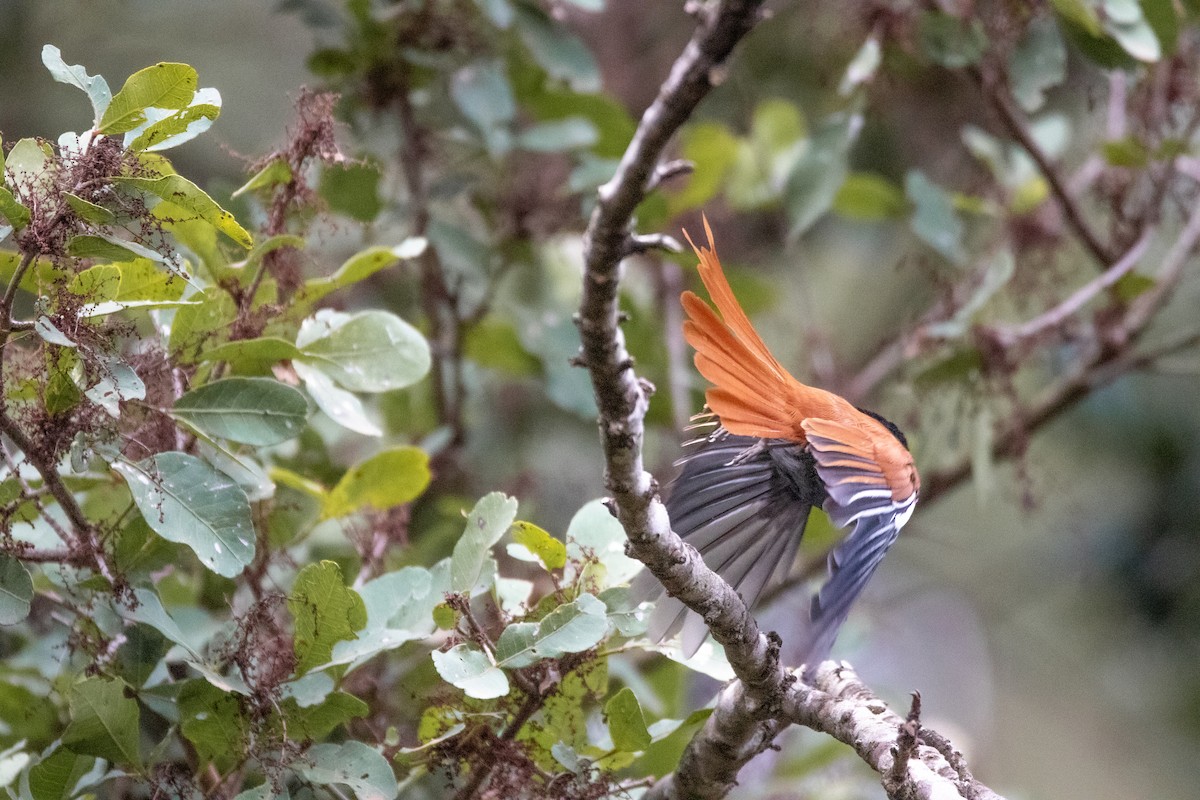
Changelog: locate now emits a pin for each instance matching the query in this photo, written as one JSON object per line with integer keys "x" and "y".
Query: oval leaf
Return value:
{"x": 185, "y": 500}
{"x": 470, "y": 670}
{"x": 372, "y": 351}
{"x": 104, "y": 721}
{"x": 486, "y": 523}
{"x": 258, "y": 411}
{"x": 383, "y": 481}
{"x": 16, "y": 591}
{"x": 626, "y": 723}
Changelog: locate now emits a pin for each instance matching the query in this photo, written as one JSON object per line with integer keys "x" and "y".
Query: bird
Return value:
{"x": 777, "y": 448}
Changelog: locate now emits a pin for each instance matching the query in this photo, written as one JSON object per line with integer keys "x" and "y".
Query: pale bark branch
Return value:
{"x": 766, "y": 697}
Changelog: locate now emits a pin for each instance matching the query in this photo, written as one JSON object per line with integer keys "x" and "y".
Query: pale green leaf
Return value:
{"x": 338, "y": 404}
{"x": 95, "y": 87}
{"x": 469, "y": 669}
{"x": 371, "y": 351}
{"x": 486, "y": 523}
{"x": 595, "y": 533}
{"x": 12, "y": 209}
{"x": 359, "y": 267}
{"x": 257, "y": 411}
{"x": 935, "y": 221}
{"x": 16, "y": 590}
{"x": 867, "y": 196}
{"x": 1038, "y": 63}
{"x": 185, "y": 500}
{"x": 351, "y": 764}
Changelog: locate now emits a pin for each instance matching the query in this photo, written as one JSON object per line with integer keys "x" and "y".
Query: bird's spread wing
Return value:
{"x": 752, "y": 393}
{"x": 740, "y": 506}
{"x": 862, "y": 493}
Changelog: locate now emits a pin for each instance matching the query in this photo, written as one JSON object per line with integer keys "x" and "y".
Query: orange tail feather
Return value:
{"x": 752, "y": 393}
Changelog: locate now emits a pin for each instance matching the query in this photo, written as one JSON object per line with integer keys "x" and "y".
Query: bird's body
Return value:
{"x": 781, "y": 447}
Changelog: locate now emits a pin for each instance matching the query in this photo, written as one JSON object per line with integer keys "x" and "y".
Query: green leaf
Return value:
{"x": 626, "y": 723}
{"x": 713, "y": 149}
{"x": 559, "y": 135}
{"x": 196, "y": 328}
{"x": 140, "y": 279}
{"x": 1127, "y": 152}
{"x": 213, "y": 721}
{"x": 998, "y": 271}
{"x": 352, "y": 189}
{"x": 185, "y": 500}
{"x": 563, "y": 55}
{"x": 89, "y": 212}
{"x": 95, "y": 87}
{"x": 275, "y": 173}
{"x": 819, "y": 173}
{"x": 493, "y": 343}
{"x": 183, "y": 193}
{"x": 351, "y": 764}
{"x": 950, "y": 41}
{"x": 1132, "y": 284}
{"x": 371, "y": 351}
{"x": 484, "y": 96}
{"x": 326, "y": 612}
{"x": 28, "y": 165}
{"x": 595, "y": 533}
{"x": 57, "y": 775}
{"x": 143, "y": 648}
{"x": 252, "y": 354}
{"x": 570, "y": 628}
{"x": 361, "y": 266}
{"x": 16, "y": 590}
{"x": 469, "y": 669}
{"x": 104, "y": 721}
{"x": 17, "y": 215}
{"x": 486, "y": 523}
{"x": 385, "y": 480}
{"x": 1038, "y": 63}
{"x": 257, "y": 411}
{"x": 867, "y": 196}
{"x": 316, "y": 722}
{"x": 935, "y": 221}
{"x": 164, "y": 85}
{"x": 550, "y": 551}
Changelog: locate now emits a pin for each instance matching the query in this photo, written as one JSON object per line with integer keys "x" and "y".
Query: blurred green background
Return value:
{"x": 1049, "y": 615}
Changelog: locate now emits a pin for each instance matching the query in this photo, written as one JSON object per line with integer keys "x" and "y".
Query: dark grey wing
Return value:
{"x": 858, "y": 494}
{"x": 743, "y": 504}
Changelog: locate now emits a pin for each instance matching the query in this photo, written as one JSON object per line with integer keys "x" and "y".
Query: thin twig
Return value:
{"x": 1011, "y": 117}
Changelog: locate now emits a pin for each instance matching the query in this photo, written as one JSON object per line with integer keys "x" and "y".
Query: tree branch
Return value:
{"x": 751, "y": 710}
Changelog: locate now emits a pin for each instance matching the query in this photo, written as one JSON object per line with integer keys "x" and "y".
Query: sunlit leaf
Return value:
{"x": 164, "y": 85}
{"x": 385, "y": 480}
{"x": 550, "y": 551}
{"x": 867, "y": 196}
{"x": 190, "y": 197}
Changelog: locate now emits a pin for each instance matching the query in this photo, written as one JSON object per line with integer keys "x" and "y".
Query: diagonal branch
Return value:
{"x": 766, "y": 697}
